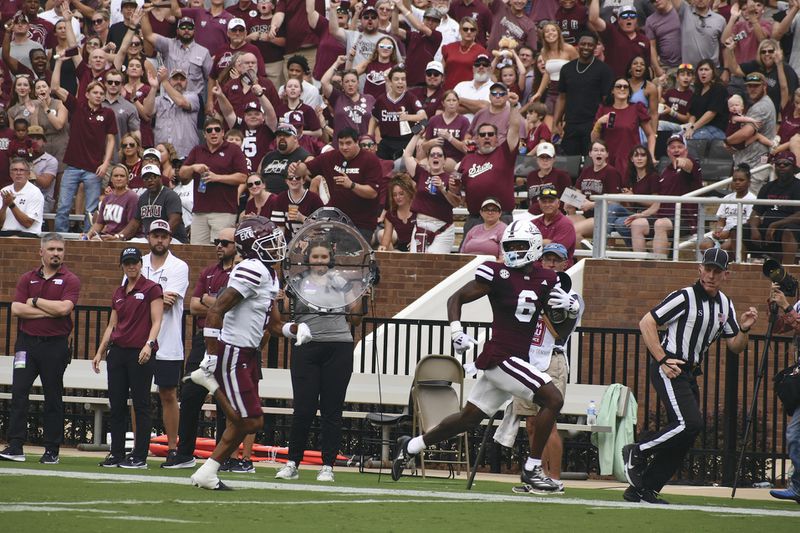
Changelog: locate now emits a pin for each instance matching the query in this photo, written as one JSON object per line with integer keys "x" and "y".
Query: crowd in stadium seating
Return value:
{"x": 394, "y": 111}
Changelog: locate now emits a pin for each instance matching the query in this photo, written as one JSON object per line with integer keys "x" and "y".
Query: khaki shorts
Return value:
{"x": 558, "y": 373}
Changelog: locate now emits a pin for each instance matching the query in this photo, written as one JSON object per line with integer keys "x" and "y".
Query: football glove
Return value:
{"x": 463, "y": 342}
{"x": 209, "y": 363}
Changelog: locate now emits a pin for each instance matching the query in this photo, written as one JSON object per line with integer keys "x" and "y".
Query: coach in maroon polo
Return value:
{"x": 217, "y": 168}
{"x": 43, "y": 305}
{"x": 353, "y": 177}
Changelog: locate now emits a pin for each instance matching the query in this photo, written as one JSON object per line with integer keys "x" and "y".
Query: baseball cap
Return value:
{"x": 432, "y": 13}
{"x": 548, "y": 191}
{"x": 236, "y": 23}
{"x": 19, "y": 16}
{"x": 35, "y": 131}
{"x": 151, "y": 169}
{"x": 555, "y": 248}
{"x": 186, "y": 20}
{"x": 435, "y": 65}
{"x": 286, "y": 129}
{"x": 545, "y": 148}
{"x": 630, "y": 8}
{"x": 159, "y": 224}
{"x": 368, "y": 9}
{"x": 482, "y": 58}
{"x": 716, "y": 257}
{"x": 152, "y": 152}
{"x": 178, "y": 72}
{"x": 754, "y": 78}
{"x": 781, "y": 156}
{"x": 128, "y": 2}
{"x": 130, "y": 254}
{"x": 676, "y": 137}
{"x": 296, "y": 119}
{"x": 253, "y": 106}
{"x": 498, "y": 85}
{"x": 491, "y": 201}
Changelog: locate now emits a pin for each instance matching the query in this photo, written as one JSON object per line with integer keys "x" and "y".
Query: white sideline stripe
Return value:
{"x": 151, "y": 519}
{"x": 425, "y": 494}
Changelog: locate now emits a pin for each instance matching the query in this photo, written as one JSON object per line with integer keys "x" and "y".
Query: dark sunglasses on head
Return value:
{"x": 486, "y": 134}
{"x": 254, "y": 184}
{"x": 222, "y": 242}
{"x": 213, "y": 129}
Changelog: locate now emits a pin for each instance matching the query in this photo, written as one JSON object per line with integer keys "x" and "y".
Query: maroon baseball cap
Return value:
{"x": 785, "y": 156}
{"x": 296, "y": 119}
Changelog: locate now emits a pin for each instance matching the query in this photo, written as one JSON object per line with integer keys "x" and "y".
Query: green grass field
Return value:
{"x": 76, "y": 495}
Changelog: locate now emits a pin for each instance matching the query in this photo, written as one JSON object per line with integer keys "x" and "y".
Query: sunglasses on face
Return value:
{"x": 366, "y": 145}
{"x": 622, "y": 86}
{"x": 136, "y": 43}
{"x": 213, "y": 129}
{"x": 467, "y": 29}
{"x": 185, "y": 27}
{"x": 371, "y": 16}
{"x": 770, "y": 51}
{"x": 482, "y": 65}
{"x": 437, "y": 155}
{"x": 97, "y": 22}
{"x": 486, "y": 134}
{"x": 628, "y": 16}
{"x": 385, "y": 46}
{"x": 129, "y": 145}
{"x": 498, "y": 94}
{"x": 148, "y": 177}
{"x": 783, "y": 163}
{"x": 253, "y": 184}
{"x": 222, "y": 242}
{"x": 113, "y": 82}
{"x": 293, "y": 178}
{"x": 237, "y": 29}
{"x": 432, "y": 73}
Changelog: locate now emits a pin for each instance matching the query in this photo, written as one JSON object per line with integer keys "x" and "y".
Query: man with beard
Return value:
{"x": 624, "y": 40}
{"x": 774, "y": 229}
{"x": 473, "y": 95}
{"x": 181, "y": 53}
{"x": 585, "y": 82}
{"x": 490, "y": 171}
{"x": 275, "y": 164}
{"x": 172, "y": 274}
{"x": 363, "y": 41}
{"x": 175, "y": 111}
{"x": 156, "y": 203}
{"x": 430, "y": 94}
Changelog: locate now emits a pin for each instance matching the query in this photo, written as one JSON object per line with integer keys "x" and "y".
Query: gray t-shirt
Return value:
{"x": 700, "y": 35}
{"x": 161, "y": 206}
{"x": 764, "y": 112}
{"x": 127, "y": 119}
{"x": 665, "y": 30}
{"x": 21, "y": 52}
{"x": 329, "y": 291}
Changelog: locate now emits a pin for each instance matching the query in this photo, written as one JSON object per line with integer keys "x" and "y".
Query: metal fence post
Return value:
{"x": 731, "y": 417}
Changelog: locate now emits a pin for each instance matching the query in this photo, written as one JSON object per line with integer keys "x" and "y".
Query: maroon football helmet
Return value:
{"x": 260, "y": 238}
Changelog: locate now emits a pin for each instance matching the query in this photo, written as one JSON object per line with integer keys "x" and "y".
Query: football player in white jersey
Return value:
{"x": 233, "y": 331}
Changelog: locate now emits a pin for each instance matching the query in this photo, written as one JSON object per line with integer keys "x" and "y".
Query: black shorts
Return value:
{"x": 167, "y": 373}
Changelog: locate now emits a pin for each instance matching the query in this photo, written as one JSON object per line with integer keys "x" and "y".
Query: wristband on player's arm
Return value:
{"x": 455, "y": 327}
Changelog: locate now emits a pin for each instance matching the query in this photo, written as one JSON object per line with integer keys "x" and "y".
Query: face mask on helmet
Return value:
{"x": 272, "y": 248}
{"x": 259, "y": 238}
{"x": 517, "y": 255}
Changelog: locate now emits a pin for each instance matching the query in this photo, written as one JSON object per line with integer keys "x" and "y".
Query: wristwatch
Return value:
{"x": 151, "y": 344}
{"x": 352, "y": 185}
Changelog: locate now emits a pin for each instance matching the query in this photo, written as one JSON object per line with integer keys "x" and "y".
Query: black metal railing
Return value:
{"x": 600, "y": 356}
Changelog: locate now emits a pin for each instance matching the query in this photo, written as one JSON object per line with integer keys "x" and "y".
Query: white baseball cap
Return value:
{"x": 545, "y": 148}
{"x": 151, "y": 169}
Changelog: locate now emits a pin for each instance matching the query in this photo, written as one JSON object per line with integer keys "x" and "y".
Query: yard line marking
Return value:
{"x": 400, "y": 493}
{"x": 46, "y": 507}
{"x": 151, "y": 519}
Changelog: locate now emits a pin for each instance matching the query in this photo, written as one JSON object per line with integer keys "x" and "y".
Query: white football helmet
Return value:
{"x": 521, "y": 231}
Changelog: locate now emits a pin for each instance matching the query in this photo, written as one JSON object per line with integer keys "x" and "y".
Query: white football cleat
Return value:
{"x": 325, "y": 474}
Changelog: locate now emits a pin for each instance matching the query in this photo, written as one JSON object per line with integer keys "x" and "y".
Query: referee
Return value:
{"x": 43, "y": 304}
{"x": 695, "y": 317}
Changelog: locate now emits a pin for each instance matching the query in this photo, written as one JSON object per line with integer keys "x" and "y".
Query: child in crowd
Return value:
{"x": 737, "y": 120}
{"x": 21, "y": 145}
{"x": 536, "y": 130}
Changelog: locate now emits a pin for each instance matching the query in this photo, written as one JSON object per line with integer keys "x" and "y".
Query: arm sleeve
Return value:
{"x": 72, "y": 291}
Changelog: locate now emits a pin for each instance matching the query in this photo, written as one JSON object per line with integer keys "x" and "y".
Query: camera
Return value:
{"x": 786, "y": 282}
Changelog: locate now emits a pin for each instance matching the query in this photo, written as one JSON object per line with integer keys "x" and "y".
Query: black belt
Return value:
{"x": 42, "y": 338}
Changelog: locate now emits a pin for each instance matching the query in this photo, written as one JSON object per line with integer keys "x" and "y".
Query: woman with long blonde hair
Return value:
{"x": 555, "y": 53}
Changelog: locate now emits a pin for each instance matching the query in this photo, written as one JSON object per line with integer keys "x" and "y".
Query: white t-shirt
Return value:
{"x": 186, "y": 194}
{"x": 53, "y": 18}
{"x": 466, "y": 89}
{"x": 31, "y": 202}
{"x": 728, "y": 211}
{"x": 309, "y": 96}
{"x": 173, "y": 276}
{"x": 243, "y": 326}
{"x": 543, "y": 341}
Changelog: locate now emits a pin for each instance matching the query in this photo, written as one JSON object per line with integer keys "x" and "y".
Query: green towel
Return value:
{"x": 609, "y": 445}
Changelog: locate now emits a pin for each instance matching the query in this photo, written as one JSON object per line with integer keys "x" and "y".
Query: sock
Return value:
{"x": 416, "y": 445}
{"x": 529, "y": 463}
{"x": 210, "y": 466}
{"x": 534, "y": 462}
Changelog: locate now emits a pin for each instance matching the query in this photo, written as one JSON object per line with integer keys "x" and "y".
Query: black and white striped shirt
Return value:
{"x": 695, "y": 320}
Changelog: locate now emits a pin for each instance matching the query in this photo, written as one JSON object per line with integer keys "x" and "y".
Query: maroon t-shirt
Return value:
{"x": 516, "y": 298}
{"x": 557, "y": 178}
{"x": 298, "y": 32}
{"x": 236, "y": 95}
{"x": 145, "y": 126}
{"x": 625, "y": 134}
{"x": 457, "y": 128}
{"x": 310, "y": 118}
{"x": 350, "y": 114}
{"x": 677, "y": 183}
{"x": 375, "y": 78}
{"x": 607, "y": 180}
{"x": 648, "y": 184}
{"x": 621, "y": 49}
{"x": 249, "y": 14}
{"x": 560, "y": 230}
{"x": 732, "y": 128}
{"x": 434, "y": 204}
{"x": 270, "y": 52}
{"x": 116, "y": 211}
{"x": 219, "y": 197}
{"x": 43, "y": 32}
{"x": 6, "y": 136}
{"x": 133, "y": 313}
{"x": 328, "y": 50}
{"x": 431, "y": 103}
{"x": 63, "y": 285}
{"x": 363, "y": 169}
{"x": 210, "y": 31}
{"x": 478, "y": 11}
{"x": 309, "y": 203}
{"x": 420, "y": 50}
{"x": 85, "y": 77}
{"x": 222, "y": 59}
{"x": 165, "y": 28}
{"x": 387, "y": 112}
{"x": 403, "y": 229}
{"x": 87, "y": 137}
{"x": 256, "y": 144}
{"x": 572, "y": 22}
{"x": 677, "y": 101}
{"x": 489, "y": 175}
{"x": 266, "y": 209}
{"x": 211, "y": 281}
{"x": 790, "y": 125}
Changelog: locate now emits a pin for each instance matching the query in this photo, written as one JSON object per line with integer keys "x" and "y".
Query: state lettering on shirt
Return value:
{"x": 476, "y": 169}
{"x": 592, "y": 186}
{"x": 347, "y": 170}
{"x": 276, "y": 166}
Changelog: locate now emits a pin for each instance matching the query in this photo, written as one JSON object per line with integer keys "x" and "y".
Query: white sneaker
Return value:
{"x": 204, "y": 379}
{"x": 289, "y": 471}
{"x": 325, "y": 474}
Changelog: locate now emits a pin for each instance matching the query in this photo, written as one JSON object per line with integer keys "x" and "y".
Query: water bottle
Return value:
{"x": 201, "y": 187}
{"x": 762, "y": 485}
{"x": 523, "y": 148}
{"x": 591, "y": 413}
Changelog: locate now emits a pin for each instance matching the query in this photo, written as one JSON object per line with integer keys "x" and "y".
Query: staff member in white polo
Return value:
{"x": 162, "y": 267}
{"x": 22, "y": 207}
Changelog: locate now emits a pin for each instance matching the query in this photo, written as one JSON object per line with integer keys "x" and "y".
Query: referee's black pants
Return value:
{"x": 320, "y": 374}
{"x": 667, "y": 448}
{"x": 192, "y": 398}
{"x": 126, "y": 374}
{"x": 46, "y": 358}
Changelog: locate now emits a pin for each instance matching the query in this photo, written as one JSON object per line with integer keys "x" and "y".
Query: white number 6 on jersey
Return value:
{"x": 526, "y": 305}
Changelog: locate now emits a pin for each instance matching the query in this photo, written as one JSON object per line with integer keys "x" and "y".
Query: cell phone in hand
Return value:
{"x": 419, "y": 126}
{"x": 612, "y": 117}
{"x": 247, "y": 77}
